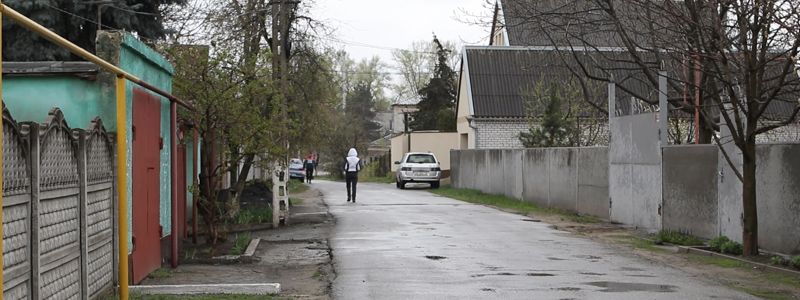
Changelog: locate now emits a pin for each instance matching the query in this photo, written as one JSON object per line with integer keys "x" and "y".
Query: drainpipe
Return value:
{"x": 173, "y": 143}
{"x": 195, "y": 181}
{"x": 470, "y": 123}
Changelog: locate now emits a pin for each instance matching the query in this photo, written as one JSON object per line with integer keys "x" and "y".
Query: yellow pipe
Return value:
{"x": 1, "y": 155}
{"x": 122, "y": 188}
{"x": 58, "y": 40}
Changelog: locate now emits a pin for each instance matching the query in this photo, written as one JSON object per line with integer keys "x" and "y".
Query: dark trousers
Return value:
{"x": 352, "y": 180}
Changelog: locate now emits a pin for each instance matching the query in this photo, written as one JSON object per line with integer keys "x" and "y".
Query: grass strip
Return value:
{"x": 500, "y": 201}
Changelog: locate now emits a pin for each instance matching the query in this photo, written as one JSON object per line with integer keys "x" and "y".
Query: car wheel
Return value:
{"x": 435, "y": 184}
{"x": 397, "y": 183}
{"x": 402, "y": 185}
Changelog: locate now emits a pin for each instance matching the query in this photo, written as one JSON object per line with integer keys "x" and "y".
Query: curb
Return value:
{"x": 201, "y": 289}
{"x": 686, "y": 249}
{"x": 251, "y": 248}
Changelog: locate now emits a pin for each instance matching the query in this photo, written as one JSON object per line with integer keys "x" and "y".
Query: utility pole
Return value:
{"x": 281, "y": 10}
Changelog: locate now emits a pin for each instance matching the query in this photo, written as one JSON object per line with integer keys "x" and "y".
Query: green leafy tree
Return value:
{"x": 76, "y": 21}
{"x": 438, "y": 96}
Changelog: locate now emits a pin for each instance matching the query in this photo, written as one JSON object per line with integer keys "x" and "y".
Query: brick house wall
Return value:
{"x": 499, "y": 133}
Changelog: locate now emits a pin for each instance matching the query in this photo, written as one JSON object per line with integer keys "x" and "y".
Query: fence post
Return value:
{"x": 35, "y": 154}
{"x": 663, "y": 111}
{"x": 82, "y": 182}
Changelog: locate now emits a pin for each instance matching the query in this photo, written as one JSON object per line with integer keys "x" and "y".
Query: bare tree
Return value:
{"x": 736, "y": 60}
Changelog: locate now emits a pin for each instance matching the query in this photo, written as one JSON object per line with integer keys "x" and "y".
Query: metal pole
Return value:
{"x": 1, "y": 153}
{"x": 173, "y": 128}
{"x": 122, "y": 186}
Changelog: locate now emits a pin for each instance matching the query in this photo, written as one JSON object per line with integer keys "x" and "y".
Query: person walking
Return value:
{"x": 309, "y": 165}
{"x": 351, "y": 167}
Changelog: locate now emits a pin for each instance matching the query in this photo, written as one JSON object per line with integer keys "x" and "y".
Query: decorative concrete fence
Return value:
{"x": 58, "y": 210}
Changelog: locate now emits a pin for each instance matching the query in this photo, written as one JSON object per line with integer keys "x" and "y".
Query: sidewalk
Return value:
{"x": 295, "y": 256}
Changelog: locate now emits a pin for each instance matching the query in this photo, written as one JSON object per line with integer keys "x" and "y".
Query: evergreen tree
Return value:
{"x": 76, "y": 20}
{"x": 553, "y": 127}
{"x": 360, "y": 113}
{"x": 438, "y": 96}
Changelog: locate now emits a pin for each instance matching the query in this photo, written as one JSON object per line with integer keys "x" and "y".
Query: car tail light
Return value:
{"x": 405, "y": 169}
{"x": 436, "y": 169}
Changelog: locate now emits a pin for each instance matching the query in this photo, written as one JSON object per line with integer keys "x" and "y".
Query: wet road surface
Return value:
{"x": 411, "y": 244}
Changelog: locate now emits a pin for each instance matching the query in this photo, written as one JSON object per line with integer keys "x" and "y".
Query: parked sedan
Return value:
{"x": 418, "y": 167}
{"x": 296, "y": 169}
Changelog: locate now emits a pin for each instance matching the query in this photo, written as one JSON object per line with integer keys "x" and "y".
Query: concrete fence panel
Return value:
{"x": 455, "y": 168}
{"x": 778, "y": 190}
{"x": 690, "y": 190}
{"x": 563, "y": 170}
{"x": 58, "y": 224}
{"x": 16, "y": 210}
{"x": 535, "y": 167}
{"x": 593, "y": 182}
{"x": 99, "y": 216}
{"x": 494, "y": 182}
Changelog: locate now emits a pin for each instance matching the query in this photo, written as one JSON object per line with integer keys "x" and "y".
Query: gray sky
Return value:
{"x": 373, "y": 27}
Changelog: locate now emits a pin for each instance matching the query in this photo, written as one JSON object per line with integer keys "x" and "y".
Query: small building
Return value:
{"x": 82, "y": 92}
{"x": 438, "y": 143}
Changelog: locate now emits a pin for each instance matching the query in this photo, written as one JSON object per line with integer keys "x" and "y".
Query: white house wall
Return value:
{"x": 499, "y": 134}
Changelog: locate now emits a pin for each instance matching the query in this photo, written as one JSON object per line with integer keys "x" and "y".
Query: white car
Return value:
{"x": 418, "y": 167}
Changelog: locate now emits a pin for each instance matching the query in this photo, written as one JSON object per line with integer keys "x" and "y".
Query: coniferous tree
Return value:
{"x": 438, "y": 96}
{"x": 76, "y": 21}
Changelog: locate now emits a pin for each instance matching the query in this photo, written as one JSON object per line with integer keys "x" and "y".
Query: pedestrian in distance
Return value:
{"x": 352, "y": 164}
{"x": 309, "y": 165}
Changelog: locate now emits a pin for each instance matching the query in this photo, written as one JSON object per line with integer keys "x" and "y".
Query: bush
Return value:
{"x": 716, "y": 243}
{"x": 778, "y": 260}
{"x": 677, "y": 238}
{"x": 796, "y": 262}
{"x": 731, "y": 247}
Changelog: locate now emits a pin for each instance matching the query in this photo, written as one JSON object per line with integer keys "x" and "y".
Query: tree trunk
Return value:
{"x": 234, "y": 205}
{"x": 750, "y": 209}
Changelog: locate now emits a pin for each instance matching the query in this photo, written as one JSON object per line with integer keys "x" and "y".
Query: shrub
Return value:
{"x": 716, "y": 243}
{"x": 778, "y": 260}
{"x": 796, "y": 261}
{"x": 731, "y": 247}
{"x": 677, "y": 238}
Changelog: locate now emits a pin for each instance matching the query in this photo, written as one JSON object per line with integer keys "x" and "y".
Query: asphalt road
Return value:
{"x": 411, "y": 244}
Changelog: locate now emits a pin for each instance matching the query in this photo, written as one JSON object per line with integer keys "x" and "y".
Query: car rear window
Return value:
{"x": 421, "y": 159}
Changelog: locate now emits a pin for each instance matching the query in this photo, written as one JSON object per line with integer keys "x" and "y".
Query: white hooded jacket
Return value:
{"x": 352, "y": 163}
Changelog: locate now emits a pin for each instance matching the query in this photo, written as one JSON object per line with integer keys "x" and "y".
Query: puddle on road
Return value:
{"x": 631, "y": 269}
{"x": 497, "y": 274}
{"x": 569, "y": 288}
{"x": 532, "y": 220}
{"x": 487, "y": 290}
{"x": 641, "y": 275}
{"x": 621, "y": 287}
{"x": 435, "y": 257}
{"x": 419, "y": 223}
{"x": 592, "y": 273}
{"x": 589, "y": 257}
{"x": 556, "y": 258}
{"x": 540, "y": 274}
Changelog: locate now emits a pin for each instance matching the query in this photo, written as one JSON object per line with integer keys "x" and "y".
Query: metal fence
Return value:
{"x": 58, "y": 209}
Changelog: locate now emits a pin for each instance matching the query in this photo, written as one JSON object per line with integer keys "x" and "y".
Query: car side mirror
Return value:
{"x": 397, "y": 163}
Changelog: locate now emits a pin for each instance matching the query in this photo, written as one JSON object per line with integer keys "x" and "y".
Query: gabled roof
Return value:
{"x": 500, "y": 77}
{"x": 571, "y": 22}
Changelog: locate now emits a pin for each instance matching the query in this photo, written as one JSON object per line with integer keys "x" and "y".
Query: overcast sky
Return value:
{"x": 373, "y": 27}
